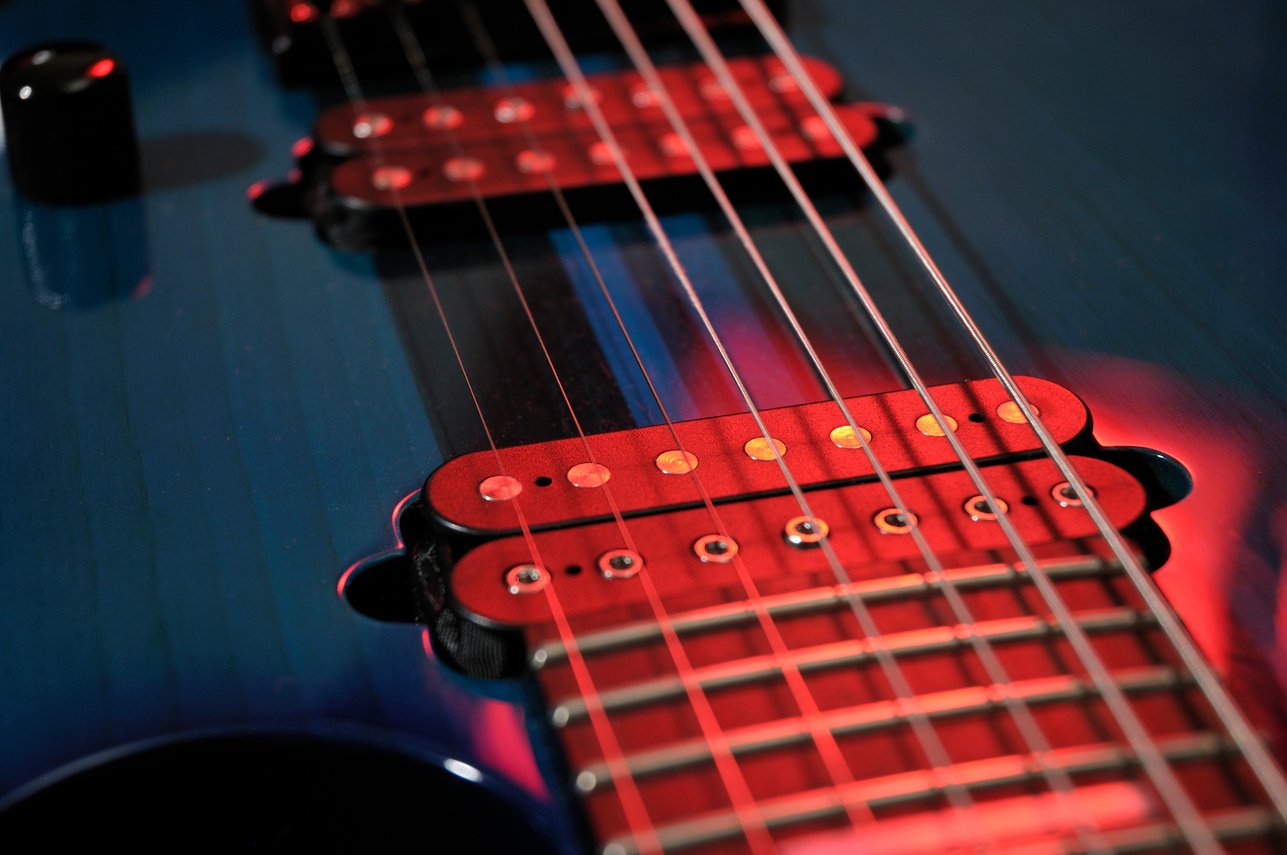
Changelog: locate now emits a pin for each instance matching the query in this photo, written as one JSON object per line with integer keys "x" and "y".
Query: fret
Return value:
{"x": 872, "y": 716}
{"x": 838, "y": 654}
{"x": 893, "y": 790}
{"x": 1227, "y": 825}
{"x": 884, "y": 589}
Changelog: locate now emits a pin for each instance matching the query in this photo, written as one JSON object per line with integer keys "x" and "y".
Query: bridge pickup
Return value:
{"x": 671, "y": 543}
{"x": 431, "y": 155}
{"x": 645, "y": 471}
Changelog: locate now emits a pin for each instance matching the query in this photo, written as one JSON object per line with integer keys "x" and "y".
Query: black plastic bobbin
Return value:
{"x": 69, "y": 123}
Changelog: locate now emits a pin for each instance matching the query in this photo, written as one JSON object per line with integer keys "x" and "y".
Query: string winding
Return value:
{"x": 1248, "y": 743}
{"x": 1192, "y": 825}
{"x": 635, "y": 811}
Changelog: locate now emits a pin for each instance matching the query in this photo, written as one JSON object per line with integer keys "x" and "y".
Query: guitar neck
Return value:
{"x": 622, "y": 279}
{"x": 853, "y": 710}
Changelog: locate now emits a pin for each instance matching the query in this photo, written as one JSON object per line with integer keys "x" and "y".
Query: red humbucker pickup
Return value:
{"x": 437, "y": 150}
{"x": 667, "y": 542}
{"x": 546, "y": 472}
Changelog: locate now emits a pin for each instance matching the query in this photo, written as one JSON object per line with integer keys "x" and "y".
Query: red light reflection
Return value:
{"x": 1227, "y": 537}
{"x": 102, "y": 68}
{"x": 302, "y": 13}
{"x": 1031, "y": 824}
{"x": 254, "y": 191}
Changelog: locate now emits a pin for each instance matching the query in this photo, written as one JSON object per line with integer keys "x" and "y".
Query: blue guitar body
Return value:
{"x": 209, "y": 415}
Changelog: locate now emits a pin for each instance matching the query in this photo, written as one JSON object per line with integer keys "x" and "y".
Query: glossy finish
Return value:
{"x": 208, "y": 415}
{"x": 729, "y": 444}
{"x": 69, "y": 123}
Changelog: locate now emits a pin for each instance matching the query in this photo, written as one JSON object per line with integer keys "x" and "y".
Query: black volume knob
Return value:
{"x": 69, "y": 124}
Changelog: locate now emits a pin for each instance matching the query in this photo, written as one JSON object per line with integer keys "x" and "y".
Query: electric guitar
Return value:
{"x": 593, "y": 425}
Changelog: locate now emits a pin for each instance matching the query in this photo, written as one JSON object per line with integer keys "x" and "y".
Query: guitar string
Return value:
{"x": 1239, "y": 729}
{"x": 495, "y": 65}
{"x": 994, "y": 500}
{"x": 1037, "y": 742}
{"x": 633, "y": 807}
{"x": 957, "y": 795}
{"x": 1028, "y": 727}
{"x": 625, "y": 533}
{"x": 1161, "y": 774}
{"x": 1191, "y": 823}
{"x": 547, "y": 357}
{"x": 750, "y": 819}
{"x": 825, "y": 741}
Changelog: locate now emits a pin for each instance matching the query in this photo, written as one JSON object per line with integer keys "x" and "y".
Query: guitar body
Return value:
{"x": 209, "y": 415}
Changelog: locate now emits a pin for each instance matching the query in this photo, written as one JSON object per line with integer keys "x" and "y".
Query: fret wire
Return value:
{"x": 569, "y": 404}
{"x": 878, "y": 716}
{"x": 1262, "y": 764}
{"x": 634, "y": 809}
{"x": 1029, "y": 729}
{"x": 883, "y": 589}
{"x": 1236, "y": 824}
{"x": 1168, "y": 786}
{"x": 975, "y": 775}
{"x": 730, "y": 772}
{"x": 930, "y": 743}
{"x": 457, "y": 353}
{"x": 401, "y": 212}
{"x": 828, "y": 749}
{"x": 838, "y": 654}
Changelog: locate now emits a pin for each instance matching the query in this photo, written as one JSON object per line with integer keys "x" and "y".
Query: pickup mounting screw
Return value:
{"x": 715, "y": 549}
{"x": 620, "y": 564}
{"x": 1066, "y": 496}
{"x": 805, "y": 531}
{"x": 526, "y": 579}
{"x": 981, "y": 510}
{"x": 895, "y": 521}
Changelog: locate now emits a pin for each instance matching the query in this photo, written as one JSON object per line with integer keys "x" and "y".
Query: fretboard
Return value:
{"x": 831, "y": 754}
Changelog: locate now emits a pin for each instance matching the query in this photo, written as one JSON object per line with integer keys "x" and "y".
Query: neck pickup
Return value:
{"x": 444, "y": 156}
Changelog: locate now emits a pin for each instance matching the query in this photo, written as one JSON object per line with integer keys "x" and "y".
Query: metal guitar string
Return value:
{"x": 565, "y": 630}
{"x": 744, "y": 805}
{"x": 633, "y": 807}
{"x": 823, "y": 738}
{"x": 957, "y": 795}
{"x": 1038, "y": 744}
{"x": 1251, "y": 747}
{"x": 589, "y": 101}
{"x": 462, "y": 366}
{"x": 531, "y": 140}
{"x": 1191, "y": 823}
